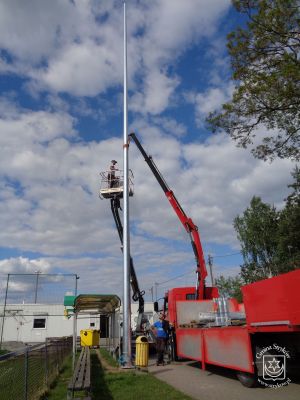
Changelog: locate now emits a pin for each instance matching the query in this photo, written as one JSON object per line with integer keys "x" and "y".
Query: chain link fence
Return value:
{"x": 28, "y": 373}
{"x": 36, "y": 288}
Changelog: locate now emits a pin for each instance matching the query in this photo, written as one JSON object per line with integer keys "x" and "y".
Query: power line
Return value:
{"x": 175, "y": 277}
{"x": 169, "y": 280}
{"x": 227, "y": 255}
{"x": 186, "y": 273}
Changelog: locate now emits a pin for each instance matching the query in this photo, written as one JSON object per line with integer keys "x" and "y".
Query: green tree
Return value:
{"x": 230, "y": 286}
{"x": 294, "y": 197}
{"x": 270, "y": 241}
{"x": 265, "y": 107}
{"x": 288, "y": 249}
{"x": 257, "y": 232}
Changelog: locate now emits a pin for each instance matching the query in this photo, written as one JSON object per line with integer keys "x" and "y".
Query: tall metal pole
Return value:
{"x": 126, "y": 244}
{"x": 74, "y": 340}
{"x": 74, "y": 350}
{"x": 4, "y": 310}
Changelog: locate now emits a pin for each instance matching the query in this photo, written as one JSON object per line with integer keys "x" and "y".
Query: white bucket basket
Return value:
{"x": 112, "y": 184}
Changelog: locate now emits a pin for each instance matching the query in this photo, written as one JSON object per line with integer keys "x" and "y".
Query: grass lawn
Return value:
{"x": 107, "y": 357}
{"x": 116, "y": 385}
{"x": 58, "y": 390}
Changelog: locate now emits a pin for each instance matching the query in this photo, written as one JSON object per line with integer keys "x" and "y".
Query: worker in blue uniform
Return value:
{"x": 160, "y": 329}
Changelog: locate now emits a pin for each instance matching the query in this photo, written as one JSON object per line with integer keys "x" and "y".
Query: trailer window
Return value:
{"x": 190, "y": 296}
{"x": 39, "y": 323}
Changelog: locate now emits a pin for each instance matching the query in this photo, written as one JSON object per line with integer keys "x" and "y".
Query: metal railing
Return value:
{"x": 28, "y": 373}
{"x": 112, "y": 183}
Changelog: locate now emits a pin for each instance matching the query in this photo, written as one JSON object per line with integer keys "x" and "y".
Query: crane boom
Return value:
{"x": 187, "y": 222}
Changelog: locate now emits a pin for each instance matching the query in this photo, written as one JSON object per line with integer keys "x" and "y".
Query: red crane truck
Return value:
{"x": 259, "y": 338}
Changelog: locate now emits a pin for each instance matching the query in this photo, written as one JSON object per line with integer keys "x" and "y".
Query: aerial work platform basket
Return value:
{"x": 112, "y": 184}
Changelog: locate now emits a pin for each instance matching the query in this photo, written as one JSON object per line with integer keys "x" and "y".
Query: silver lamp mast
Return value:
{"x": 126, "y": 233}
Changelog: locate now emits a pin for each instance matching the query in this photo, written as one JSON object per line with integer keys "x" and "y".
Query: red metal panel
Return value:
{"x": 175, "y": 295}
{"x": 189, "y": 343}
{"x": 233, "y": 305}
{"x": 229, "y": 347}
{"x": 211, "y": 292}
{"x": 273, "y": 301}
{"x": 180, "y": 294}
{"x": 274, "y": 328}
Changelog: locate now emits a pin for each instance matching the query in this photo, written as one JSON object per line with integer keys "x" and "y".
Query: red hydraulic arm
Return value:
{"x": 187, "y": 222}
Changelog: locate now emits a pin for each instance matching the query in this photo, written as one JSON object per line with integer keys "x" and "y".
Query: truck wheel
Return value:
{"x": 246, "y": 379}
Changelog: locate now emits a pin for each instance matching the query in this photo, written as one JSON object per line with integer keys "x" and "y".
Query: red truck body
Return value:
{"x": 214, "y": 330}
{"x": 272, "y": 314}
{"x": 273, "y": 304}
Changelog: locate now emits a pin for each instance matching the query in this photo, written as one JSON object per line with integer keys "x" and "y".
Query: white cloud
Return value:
{"x": 171, "y": 126}
{"x": 157, "y": 91}
{"x": 174, "y": 24}
{"x": 210, "y": 100}
{"x": 49, "y": 192}
{"x": 49, "y": 178}
{"x": 76, "y": 47}
{"x": 22, "y": 265}
{"x": 61, "y": 46}
{"x": 19, "y": 126}
{"x": 215, "y": 184}
{"x": 85, "y": 69}
{"x": 170, "y": 28}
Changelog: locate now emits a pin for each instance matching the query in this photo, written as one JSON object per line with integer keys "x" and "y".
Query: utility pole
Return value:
{"x": 4, "y": 310}
{"x": 75, "y": 326}
{"x": 151, "y": 291}
{"x": 126, "y": 238}
{"x": 76, "y": 284}
{"x": 156, "y": 285}
{"x": 36, "y": 285}
{"x": 210, "y": 264}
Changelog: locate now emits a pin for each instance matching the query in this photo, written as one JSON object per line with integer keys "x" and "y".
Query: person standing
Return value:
{"x": 161, "y": 332}
{"x": 112, "y": 180}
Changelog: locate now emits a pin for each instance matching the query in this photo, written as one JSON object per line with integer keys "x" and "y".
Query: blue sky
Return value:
{"x": 61, "y": 77}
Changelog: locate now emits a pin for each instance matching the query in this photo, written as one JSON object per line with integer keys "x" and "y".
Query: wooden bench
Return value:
{"x": 81, "y": 380}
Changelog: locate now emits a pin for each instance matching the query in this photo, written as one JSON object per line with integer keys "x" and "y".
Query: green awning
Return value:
{"x": 100, "y": 303}
{"x": 69, "y": 301}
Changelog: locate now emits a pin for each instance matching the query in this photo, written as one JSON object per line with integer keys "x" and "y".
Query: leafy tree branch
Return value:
{"x": 265, "y": 57}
